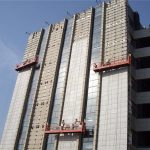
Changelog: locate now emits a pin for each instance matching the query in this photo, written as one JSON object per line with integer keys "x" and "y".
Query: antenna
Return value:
{"x": 69, "y": 14}
{"x": 27, "y": 33}
{"x": 47, "y": 23}
{"x": 97, "y": 2}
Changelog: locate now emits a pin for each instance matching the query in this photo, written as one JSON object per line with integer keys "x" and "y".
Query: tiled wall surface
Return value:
{"x": 94, "y": 83}
{"x": 48, "y": 76}
{"x": 23, "y": 134}
{"x": 116, "y": 31}
{"x": 61, "y": 83}
{"x": 19, "y": 96}
{"x": 113, "y": 111}
{"x": 113, "y": 120}
{"x": 74, "y": 96}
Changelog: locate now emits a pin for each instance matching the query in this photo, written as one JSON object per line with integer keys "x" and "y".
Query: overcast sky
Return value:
{"x": 20, "y": 16}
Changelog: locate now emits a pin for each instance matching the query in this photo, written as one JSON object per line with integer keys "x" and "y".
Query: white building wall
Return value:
{"x": 15, "y": 111}
{"x": 19, "y": 96}
{"x": 114, "y": 111}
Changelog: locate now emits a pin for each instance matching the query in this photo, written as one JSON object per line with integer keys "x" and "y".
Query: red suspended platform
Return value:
{"x": 74, "y": 128}
{"x": 27, "y": 63}
{"x": 112, "y": 65}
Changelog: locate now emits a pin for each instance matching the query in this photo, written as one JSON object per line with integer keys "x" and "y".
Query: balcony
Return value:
{"x": 142, "y": 74}
{"x": 138, "y": 34}
{"x": 139, "y": 148}
{"x": 142, "y": 97}
{"x": 140, "y": 140}
{"x": 141, "y": 52}
{"x": 141, "y": 125}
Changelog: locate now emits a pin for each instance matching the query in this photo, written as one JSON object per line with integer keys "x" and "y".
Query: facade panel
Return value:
{"x": 113, "y": 111}
{"x": 32, "y": 94}
{"x": 74, "y": 96}
{"x": 19, "y": 96}
{"x": 55, "y": 117}
{"x": 113, "y": 118}
{"x": 94, "y": 83}
{"x": 14, "y": 114}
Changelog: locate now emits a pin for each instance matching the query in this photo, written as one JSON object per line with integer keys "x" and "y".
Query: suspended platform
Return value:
{"x": 112, "y": 65}
{"x": 26, "y": 64}
{"x": 74, "y": 128}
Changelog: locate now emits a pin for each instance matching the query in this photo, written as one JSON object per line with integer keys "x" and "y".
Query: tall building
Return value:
{"x": 84, "y": 84}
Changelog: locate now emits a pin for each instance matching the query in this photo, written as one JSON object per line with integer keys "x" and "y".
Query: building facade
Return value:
{"x": 84, "y": 84}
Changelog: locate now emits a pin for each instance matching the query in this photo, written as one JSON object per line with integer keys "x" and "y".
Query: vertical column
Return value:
{"x": 32, "y": 95}
{"x": 94, "y": 83}
{"x": 75, "y": 89}
{"x": 115, "y": 32}
{"x": 113, "y": 112}
{"x": 46, "y": 87}
{"x": 61, "y": 83}
{"x": 19, "y": 96}
{"x": 113, "y": 119}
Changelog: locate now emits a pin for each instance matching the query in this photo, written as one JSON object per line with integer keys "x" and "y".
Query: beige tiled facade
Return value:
{"x": 46, "y": 86}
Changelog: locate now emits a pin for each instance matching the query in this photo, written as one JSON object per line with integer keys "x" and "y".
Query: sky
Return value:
{"x": 20, "y": 16}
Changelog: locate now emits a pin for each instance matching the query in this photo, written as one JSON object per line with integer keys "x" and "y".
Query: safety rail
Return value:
{"x": 79, "y": 127}
{"x": 112, "y": 65}
{"x": 27, "y": 63}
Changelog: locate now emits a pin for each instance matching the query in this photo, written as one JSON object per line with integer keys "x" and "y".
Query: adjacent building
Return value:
{"x": 84, "y": 84}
